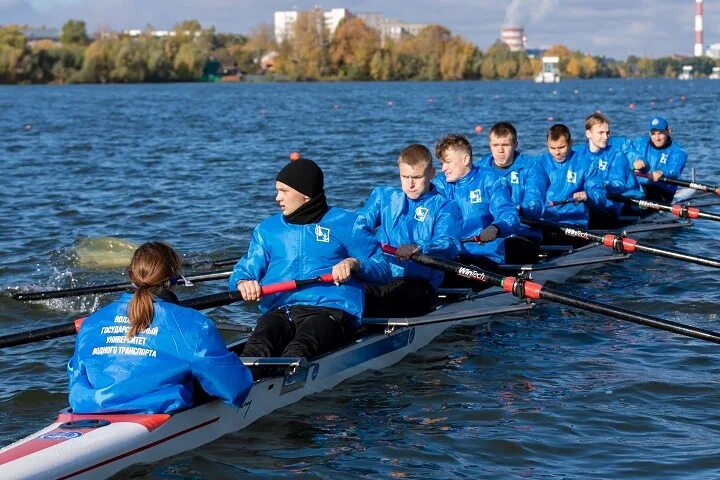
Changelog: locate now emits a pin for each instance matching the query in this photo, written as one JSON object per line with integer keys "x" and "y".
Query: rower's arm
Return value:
{"x": 446, "y": 233}
{"x": 364, "y": 247}
{"x": 502, "y": 208}
{"x": 253, "y": 265}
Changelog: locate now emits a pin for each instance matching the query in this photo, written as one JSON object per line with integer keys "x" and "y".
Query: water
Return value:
{"x": 555, "y": 394}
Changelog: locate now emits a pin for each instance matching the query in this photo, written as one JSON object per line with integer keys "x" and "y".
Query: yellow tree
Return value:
{"x": 352, "y": 49}
{"x": 456, "y": 59}
{"x": 573, "y": 67}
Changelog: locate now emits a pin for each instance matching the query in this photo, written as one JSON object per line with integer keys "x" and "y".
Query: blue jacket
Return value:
{"x": 670, "y": 160}
{"x": 566, "y": 178}
{"x": 612, "y": 167}
{"x": 484, "y": 199}
{"x": 152, "y": 372}
{"x": 528, "y": 184}
{"x": 431, "y": 222}
{"x": 281, "y": 251}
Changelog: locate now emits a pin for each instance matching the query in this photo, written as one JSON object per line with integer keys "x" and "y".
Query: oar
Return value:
{"x": 621, "y": 243}
{"x": 677, "y": 209}
{"x": 112, "y": 287}
{"x": 199, "y": 303}
{"x": 560, "y": 202}
{"x": 523, "y": 288}
{"x": 683, "y": 183}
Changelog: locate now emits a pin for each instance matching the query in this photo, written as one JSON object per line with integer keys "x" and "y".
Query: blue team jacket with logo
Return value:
{"x": 281, "y": 251}
{"x": 153, "y": 372}
{"x": 528, "y": 184}
{"x": 484, "y": 199}
{"x": 612, "y": 167}
{"x": 670, "y": 160}
{"x": 431, "y": 222}
{"x": 566, "y": 178}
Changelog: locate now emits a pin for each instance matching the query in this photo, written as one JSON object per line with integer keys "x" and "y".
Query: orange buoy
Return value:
{"x": 631, "y": 106}
{"x": 479, "y": 129}
{"x": 295, "y": 156}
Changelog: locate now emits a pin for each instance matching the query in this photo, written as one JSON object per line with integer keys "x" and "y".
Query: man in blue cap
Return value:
{"x": 656, "y": 156}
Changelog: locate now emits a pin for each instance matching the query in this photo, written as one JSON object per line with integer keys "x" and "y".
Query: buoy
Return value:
{"x": 652, "y": 104}
{"x": 550, "y": 119}
{"x": 479, "y": 129}
{"x": 390, "y": 103}
{"x": 631, "y": 106}
{"x": 336, "y": 106}
{"x": 27, "y": 126}
{"x": 683, "y": 97}
{"x": 295, "y": 156}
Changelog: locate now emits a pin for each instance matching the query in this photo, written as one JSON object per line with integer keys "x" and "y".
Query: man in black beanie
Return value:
{"x": 307, "y": 240}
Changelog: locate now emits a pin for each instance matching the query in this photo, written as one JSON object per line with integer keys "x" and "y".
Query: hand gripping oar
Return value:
{"x": 523, "y": 288}
{"x": 198, "y": 303}
{"x": 113, "y": 287}
{"x": 677, "y": 209}
{"x": 620, "y": 243}
{"x": 683, "y": 183}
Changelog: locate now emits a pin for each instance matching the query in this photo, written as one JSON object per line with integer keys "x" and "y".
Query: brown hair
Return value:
{"x": 596, "y": 118}
{"x": 452, "y": 141}
{"x": 416, "y": 155}
{"x": 503, "y": 129}
{"x": 153, "y": 265}
{"x": 558, "y": 131}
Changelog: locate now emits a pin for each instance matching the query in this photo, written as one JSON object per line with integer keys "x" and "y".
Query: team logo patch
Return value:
{"x": 322, "y": 234}
{"x": 60, "y": 435}
{"x": 663, "y": 158}
{"x": 421, "y": 213}
{"x": 475, "y": 196}
{"x": 602, "y": 164}
{"x": 514, "y": 177}
{"x": 571, "y": 177}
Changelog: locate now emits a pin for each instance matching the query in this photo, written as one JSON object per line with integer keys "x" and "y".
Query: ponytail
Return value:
{"x": 153, "y": 266}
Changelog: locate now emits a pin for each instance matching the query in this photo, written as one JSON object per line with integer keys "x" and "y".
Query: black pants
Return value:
{"x": 300, "y": 331}
{"x": 521, "y": 250}
{"x": 402, "y": 297}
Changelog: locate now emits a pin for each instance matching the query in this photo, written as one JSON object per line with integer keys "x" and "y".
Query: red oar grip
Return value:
{"x": 278, "y": 287}
{"x": 389, "y": 249}
{"x": 529, "y": 289}
{"x": 78, "y": 323}
{"x": 626, "y": 245}
{"x": 327, "y": 278}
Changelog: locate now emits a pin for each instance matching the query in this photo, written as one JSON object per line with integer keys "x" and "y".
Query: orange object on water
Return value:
{"x": 295, "y": 156}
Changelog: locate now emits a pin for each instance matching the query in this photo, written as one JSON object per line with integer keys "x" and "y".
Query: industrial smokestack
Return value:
{"x": 698, "y": 28}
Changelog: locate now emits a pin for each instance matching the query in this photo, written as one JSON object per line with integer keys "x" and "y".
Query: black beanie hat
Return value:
{"x": 303, "y": 175}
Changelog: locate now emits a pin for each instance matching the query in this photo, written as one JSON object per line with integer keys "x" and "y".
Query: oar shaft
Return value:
{"x": 679, "y": 210}
{"x": 523, "y": 288}
{"x": 622, "y": 244}
{"x": 559, "y": 202}
{"x": 198, "y": 303}
{"x": 693, "y": 185}
{"x": 110, "y": 287}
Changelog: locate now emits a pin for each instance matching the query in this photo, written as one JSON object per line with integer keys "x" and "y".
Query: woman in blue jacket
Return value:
{"x": 143, "y": 352}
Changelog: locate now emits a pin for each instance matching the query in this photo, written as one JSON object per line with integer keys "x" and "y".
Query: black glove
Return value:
{"x": 489, "y": 234}
{"x": 404, "y": 252}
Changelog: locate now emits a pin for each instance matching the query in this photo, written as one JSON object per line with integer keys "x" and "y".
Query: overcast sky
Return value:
{"x": 615, "y": 28}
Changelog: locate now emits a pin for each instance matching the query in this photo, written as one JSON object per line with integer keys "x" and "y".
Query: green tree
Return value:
{"x": 15, "y": 62}
{"x": 352, "y": 49}
{"x": 74, "y": 33}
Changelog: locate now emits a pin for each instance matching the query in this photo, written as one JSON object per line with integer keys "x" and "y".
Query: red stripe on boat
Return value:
{"x": 149, "y": 421}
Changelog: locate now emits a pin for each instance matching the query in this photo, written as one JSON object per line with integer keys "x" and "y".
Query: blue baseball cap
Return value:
{"x": 658, "y": 123}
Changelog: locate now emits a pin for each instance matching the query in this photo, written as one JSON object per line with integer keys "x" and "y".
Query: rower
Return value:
{"x": 418, "y": 219}
{"x": 308, "y": 239}
{"x": 141, "y": 353}
{"x": 610, "y": 164}
{"x": 657, "y": 155}
{"x": 572, "y": 182}
{"x": 485, "y": 201}
{"x": 528, "y": 183}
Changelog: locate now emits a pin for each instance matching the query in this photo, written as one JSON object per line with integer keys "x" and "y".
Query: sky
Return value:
{"x": 613, "y": 28}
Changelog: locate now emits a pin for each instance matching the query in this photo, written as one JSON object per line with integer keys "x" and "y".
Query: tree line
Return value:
{"x": 353, "y": 52}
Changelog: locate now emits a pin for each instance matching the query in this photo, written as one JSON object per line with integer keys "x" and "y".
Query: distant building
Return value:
{"x": 394, "y": 29}
{"x": 513, "y": 37}
{"x": 285, "y": 21}
{"x": 35, "y": 35}
{"x": 134, "y": 32}
{"x": 713, "y": 51}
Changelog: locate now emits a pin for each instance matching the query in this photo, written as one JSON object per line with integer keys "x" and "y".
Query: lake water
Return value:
{"x": 555, "y": 394}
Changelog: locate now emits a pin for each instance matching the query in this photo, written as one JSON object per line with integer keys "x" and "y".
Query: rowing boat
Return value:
{"x": 98, "y": 446}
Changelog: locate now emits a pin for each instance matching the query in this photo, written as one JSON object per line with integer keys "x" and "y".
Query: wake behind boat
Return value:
{"x": 98, "y": 446}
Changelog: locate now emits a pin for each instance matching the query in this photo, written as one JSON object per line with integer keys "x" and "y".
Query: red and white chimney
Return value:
{"x": 698, "y": 28}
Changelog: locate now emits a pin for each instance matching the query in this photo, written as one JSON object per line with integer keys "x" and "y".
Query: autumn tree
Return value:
{"x": 74, "y": 33}
{"x": 352, "y": 49}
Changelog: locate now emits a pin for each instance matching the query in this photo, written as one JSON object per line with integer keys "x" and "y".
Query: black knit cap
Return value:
{"x": 303, "y": 175}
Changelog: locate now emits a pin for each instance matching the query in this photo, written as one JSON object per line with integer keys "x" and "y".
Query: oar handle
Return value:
{"x": 560, "y": 202}
{"x": 198, "y": 303}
